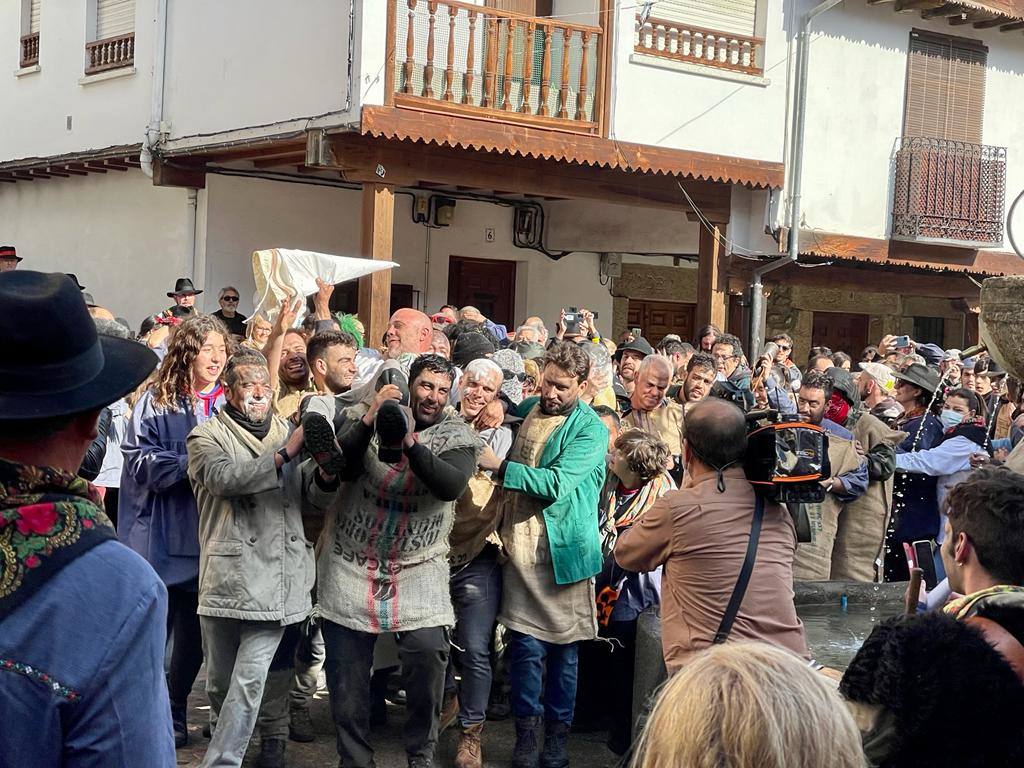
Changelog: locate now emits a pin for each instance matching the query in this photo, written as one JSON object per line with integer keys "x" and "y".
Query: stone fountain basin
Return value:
{"x": 834, "y": 632}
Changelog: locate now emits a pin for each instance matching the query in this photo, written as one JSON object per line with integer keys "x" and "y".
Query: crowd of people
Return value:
{"x": 484, "y": 513}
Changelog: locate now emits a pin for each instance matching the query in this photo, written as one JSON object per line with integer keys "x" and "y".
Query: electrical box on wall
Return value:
{"x": 444, "y": 211}
{"x": 611, "y": 265}
{"x": 421, "y": 210}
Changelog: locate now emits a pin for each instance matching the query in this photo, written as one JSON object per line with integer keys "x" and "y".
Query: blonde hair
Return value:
{"x": 749, "y": 705}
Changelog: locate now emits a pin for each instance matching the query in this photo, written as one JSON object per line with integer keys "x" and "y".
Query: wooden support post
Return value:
{"x": 378, "y": 221}
{"x": 712, "y": 298}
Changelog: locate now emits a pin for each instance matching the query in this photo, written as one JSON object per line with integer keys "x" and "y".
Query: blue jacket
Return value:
{"x": 156, "y": 512}
{"x": 915, "y": 496}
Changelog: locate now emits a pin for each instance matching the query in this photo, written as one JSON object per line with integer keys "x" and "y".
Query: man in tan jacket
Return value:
{"x": 700, "y": 533}
{"x": 256, "y": 567}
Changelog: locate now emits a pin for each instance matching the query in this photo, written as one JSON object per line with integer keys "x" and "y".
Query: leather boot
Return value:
{"x": 271, "y": 754}
{"x": 556, "y": 736}
{"x": 527, "y": 750}
{"x": 467, "y": 753}
{"x": 179, "y": 723}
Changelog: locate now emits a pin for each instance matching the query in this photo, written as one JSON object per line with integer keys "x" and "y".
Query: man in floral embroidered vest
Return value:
{"x": 82, "y": 617}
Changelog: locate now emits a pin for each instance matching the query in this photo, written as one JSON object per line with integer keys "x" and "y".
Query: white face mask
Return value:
{"x": 950, "y": 418}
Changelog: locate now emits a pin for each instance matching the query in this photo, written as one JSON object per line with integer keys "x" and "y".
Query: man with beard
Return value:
{"x": 849, "y": 479}
{"x": 331, "y": 356}
{"x": 256, "y": 567}
{"x": 552, "y": 480}
{"x": 652, "y": 412}
{"x": 293, "y": 375}
{"x": 857, "y": 554}
{"x": 627, "y": 363}
{"x": 700, "y": 377}
{"x": 383, "y": 566}
{"x": 476, "y": 571}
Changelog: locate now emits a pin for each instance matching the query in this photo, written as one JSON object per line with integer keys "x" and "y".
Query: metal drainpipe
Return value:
{"x": 156, "y": 114}
{"x": 191, "y": 206}
{"x": 797, "y": 158}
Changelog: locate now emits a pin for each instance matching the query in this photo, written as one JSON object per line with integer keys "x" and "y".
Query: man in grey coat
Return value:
{"x": 256, "y": 568}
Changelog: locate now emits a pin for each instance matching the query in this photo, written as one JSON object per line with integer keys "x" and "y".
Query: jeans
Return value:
{"x": 424, "y": 655}
{"x": 186, "y": 642}
{"x": 539, "y": 669}
{"x": 238, "y": 656}
{"x": 476, "y": 596}
{"x": 274, "y": 717}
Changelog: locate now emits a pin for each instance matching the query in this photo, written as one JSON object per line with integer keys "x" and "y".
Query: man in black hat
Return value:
{"x": 184, "y": 294}
{"x": 82, "y": 617}
{"x": 9, "y": 258}
{"x": 627, "y": 365}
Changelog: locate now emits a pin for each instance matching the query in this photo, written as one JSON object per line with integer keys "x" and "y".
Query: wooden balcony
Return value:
{"x": 110, "y": 53}
{"x": 693, "y": 45}
{"x": 949, "y": 192}
{"x": 29, "y": 50}
{"x": 480, "y": 62}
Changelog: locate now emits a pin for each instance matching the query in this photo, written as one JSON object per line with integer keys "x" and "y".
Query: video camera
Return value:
{"x": 572, "y": 318}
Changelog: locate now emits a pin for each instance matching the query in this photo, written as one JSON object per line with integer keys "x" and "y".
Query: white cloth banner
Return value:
{"x": 283, "y": 272}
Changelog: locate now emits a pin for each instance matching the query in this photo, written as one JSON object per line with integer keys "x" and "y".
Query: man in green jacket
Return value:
{"x": 551, "y": 478}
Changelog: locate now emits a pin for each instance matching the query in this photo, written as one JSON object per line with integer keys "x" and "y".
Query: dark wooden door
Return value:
{"x": 346, "y": 297}
{"x": 840, "y": 332}
{"x": 487, "y": 284}
{"x": 658, "y": 318}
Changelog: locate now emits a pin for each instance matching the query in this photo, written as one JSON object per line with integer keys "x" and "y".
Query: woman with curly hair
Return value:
{"x": 157, "y": 515}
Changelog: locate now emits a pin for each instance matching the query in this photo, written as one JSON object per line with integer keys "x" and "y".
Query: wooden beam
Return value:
{"x": 95, "y": 167}
{"x": 712, "y": 278}
{"x": 916, "y": 5}
{"x": 58, "y": 171}
{"x": 166, "y": 175}
{"x": 279, "y": 160}
{"x": 409, "y": 165}
{"x": 8, "y": 180}
{"x": 1012, "y": 26}
{"x": 73, "y": 169}
{"x": 39, "y": 174}
{"x": 115, "y": 165}
{"x": 376, "y": 232}
{"x": 972, "y": 17}
{"x": 989, "y": 23}
{"x": 949, "y": 9}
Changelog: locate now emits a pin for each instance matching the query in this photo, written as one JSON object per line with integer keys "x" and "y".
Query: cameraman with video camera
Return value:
{"x": 701, "y": 533}
{"x": 384, "y": 563}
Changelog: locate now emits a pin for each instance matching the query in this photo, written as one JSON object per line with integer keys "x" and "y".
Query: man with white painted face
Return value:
{"x": 383, "y": 566}
{"x": 256, "y": 567}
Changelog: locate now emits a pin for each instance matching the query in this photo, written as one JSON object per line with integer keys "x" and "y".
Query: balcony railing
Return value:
{"x": 482, "y": 62}
{"x": 949, "y": 192}
{"x": 686, "y": 43}
{"x": 110, "y": 53}
{"x": 29, "y": 50}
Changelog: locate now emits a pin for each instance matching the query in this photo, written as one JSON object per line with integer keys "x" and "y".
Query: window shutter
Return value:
{"x": 33, "y": 17}
{"x": 733, "y": 16}
{"x": 945, "y": 88}
{"x": 114, "y": 18}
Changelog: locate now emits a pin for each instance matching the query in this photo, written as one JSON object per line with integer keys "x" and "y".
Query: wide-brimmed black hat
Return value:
{"x": 54, "y": 363}
{"x": 181, "y": 286}
{"x": 74, "y": 279}
{"x": 920, "y": 376}
{"x": 9, "y": 252}
{"x": 639, "y": 344}
{"x": 842, "y": 382}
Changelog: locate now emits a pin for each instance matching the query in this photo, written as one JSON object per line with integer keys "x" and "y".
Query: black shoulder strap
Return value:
{"x": 740, "y": 589}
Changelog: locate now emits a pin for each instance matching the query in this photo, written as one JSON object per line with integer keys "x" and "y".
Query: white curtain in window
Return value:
{"x": 33, "y": 17}
{"x": 732, "y": 16}
{"x": 114, "y": 18}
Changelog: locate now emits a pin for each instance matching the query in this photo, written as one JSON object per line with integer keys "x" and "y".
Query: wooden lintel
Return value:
{"x": 989, "y": 23}
{"x": 1011, "y": 26}
{"x": 168, "y": 175}
{"x": 948, "y": 9}
{"x": 362, "y": 159}
{"x": 73, "y": 170}
{"x": 377, "y": 224}
{"x": 712, "y": 277}
{"x": 278, "y": 161}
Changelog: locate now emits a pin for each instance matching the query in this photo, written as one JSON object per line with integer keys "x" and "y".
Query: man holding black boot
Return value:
{"x": 384, "y": 565}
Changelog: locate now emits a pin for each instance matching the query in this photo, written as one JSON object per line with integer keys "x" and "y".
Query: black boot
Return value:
{"x": 527, "y": 750}
{"x": 271, "y": 754}
{"x": 179, "y": 723}
{"x": 321, "y": 443}
{"x": 555, "y": 737}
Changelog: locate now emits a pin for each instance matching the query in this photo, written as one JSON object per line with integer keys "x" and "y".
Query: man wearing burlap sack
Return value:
{"x": 849, "y": 480}
{"x": 860, "y": 537}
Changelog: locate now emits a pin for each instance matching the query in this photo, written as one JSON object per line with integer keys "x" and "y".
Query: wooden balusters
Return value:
{"x": 510, "y": 37}
{"x": 563, "y": 88}
{"x": 428, "y": 68}
{"x": 581, "y": 96}
{"x": 410, "y": 46}
{"x": 545, "y": 73}
{"x": 490, "y": 78}
{"x": 685, "y": 42}
{"x": 467, "y": 80}
{"x": 449, "y": 72}
{"x": 527, "y": 66}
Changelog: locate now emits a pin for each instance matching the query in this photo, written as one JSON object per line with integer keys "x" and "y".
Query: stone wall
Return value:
{"x": 655, "y": 283}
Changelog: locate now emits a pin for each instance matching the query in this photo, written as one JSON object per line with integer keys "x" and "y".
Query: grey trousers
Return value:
{"x": 306, "y": 675}
{"x": 238, "y": 656}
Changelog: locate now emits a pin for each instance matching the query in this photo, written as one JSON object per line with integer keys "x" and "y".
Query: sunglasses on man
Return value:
{"x": 229, "y": 298}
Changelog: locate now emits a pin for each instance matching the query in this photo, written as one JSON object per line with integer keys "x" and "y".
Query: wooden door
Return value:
{"x": 487, "y": 284}
{"x": 840, "y": 332}
{"x": 658, "y": 318}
